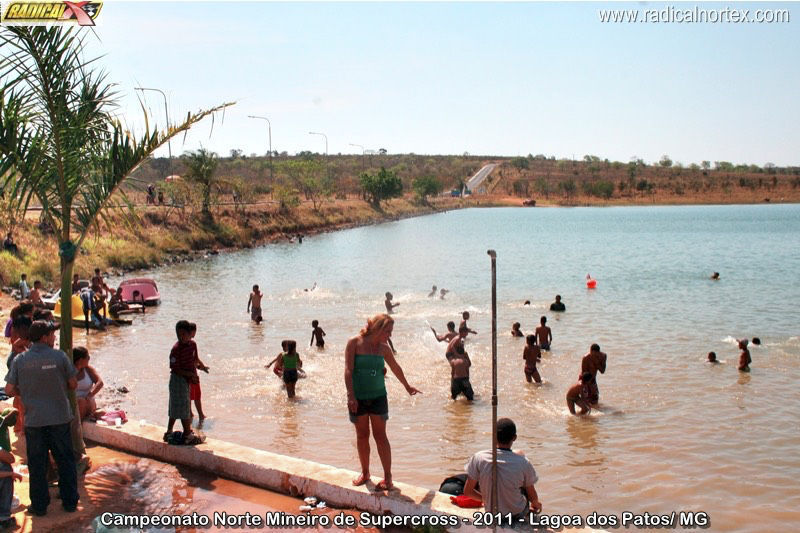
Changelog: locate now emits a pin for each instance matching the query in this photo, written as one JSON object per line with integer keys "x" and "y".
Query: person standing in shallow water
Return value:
{"x": 593, "y": 362}
{"x": 744, "y": 356}
{"x": 367, "y": 404}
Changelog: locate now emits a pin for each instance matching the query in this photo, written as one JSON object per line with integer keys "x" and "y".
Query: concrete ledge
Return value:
{"x": 278, "y": 473}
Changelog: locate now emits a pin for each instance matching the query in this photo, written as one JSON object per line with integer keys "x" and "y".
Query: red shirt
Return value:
{"x": 183, "y": 356}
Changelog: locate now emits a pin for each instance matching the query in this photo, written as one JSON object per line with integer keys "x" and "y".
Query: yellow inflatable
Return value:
{"x": 77, "y": 311}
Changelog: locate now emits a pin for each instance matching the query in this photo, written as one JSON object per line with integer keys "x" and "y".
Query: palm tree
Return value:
{"x": 201, "y": 166}
{"x": 62, "y": 146}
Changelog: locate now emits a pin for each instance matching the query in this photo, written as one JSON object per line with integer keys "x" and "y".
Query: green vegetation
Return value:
{"x": 381, "y": 186}
{"x": 62, "y": 145}
{"x": 425, "y": 186}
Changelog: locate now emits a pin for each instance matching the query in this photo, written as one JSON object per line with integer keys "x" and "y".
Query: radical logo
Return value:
{"x": 37, "y": 13}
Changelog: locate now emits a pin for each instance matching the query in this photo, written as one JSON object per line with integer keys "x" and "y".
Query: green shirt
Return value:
{"x": 290, "y": 360}
{"x": 368, "y": 381}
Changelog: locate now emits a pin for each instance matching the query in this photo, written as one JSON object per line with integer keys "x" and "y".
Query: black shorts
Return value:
{"x": 459, "y": 386}
{"x": 376, "y": 406}
{"x": 289, "y": 375}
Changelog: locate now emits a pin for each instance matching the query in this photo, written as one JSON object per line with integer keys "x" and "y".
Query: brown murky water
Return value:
{"x": 673, "y": 433}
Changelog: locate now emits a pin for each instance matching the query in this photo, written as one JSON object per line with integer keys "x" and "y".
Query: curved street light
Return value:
{"x": 326, "y": 150}
{"x": 269, "y": 129}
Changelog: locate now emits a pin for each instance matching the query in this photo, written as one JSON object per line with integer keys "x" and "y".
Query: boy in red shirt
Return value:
{"x": 183, "y": 371}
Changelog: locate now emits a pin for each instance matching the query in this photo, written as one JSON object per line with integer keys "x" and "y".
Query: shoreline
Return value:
{"x": 163, "y": 236}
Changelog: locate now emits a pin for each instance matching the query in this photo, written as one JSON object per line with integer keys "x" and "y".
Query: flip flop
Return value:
{"x": 384, "y": 485}
{"x": 361, "y": 480}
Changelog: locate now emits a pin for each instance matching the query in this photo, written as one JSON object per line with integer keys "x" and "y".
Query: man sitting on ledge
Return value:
{"x": 516, "y": 493}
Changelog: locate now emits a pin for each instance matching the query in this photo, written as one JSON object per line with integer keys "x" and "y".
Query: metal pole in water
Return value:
{"x": 493, "y": 255}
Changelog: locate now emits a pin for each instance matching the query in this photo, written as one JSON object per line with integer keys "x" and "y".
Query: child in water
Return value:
{"x": 579, "y": 394}
{"x": 289, "y": 361}
{"x": 744, "y": 357}
{"x": 459, "y": 374}
{"x": 515, "y": 331}
{"x": 317, "y": 333}
{"x": 532, "y": 355}
{"x": 712, "y": 357}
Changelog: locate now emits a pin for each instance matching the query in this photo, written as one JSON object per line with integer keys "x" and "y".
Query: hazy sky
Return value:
{"x": 449, "y": 78}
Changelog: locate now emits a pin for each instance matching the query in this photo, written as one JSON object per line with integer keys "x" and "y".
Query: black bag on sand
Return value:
{"x": 454, "y": 485}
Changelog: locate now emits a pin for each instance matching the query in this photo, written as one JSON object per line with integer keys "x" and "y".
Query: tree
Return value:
{"x": 201, "y": 166}
{"x": 519, "y": 163}
{"x": 665, "y": 161}
{"x": 236, "y": 153}
{"x": 381, "y": 186}
{"x": 425, "y": 186}
{"x": 309, "y": 176}
{"x": 706, "y": 165}
{"x": 61, "y": 144}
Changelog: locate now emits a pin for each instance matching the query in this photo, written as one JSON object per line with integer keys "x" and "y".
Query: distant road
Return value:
{"x": 475, "y": 181}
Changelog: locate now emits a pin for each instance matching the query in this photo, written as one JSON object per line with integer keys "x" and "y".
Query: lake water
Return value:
{"x": 674, "y": 433}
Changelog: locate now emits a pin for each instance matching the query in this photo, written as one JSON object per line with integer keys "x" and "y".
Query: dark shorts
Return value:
{"x": 289, "y": 375}
{"x": 179, "y": 403}
{"x": 459, "y": 386}
{"x": 376, "y": 406}
{"x": 594, "y": 393}
{"x": 545, "y": 346}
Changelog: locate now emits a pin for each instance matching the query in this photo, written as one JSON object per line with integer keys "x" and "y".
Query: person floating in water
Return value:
{"x": 544, "y": 334}
{"x": 446, "y": 337}
{"x": 433, "y": 292}
{"x": 463, "y": 326}
{"x": 558, "y": 305}
{"x": 515, "y": 331}
{"x": 594, "y": 362}
{"x": 442, "y": 292}
{"x": 532, "y": 355}
{"x": 756, "y": 341}
{"x": 254, "y": 305}
{"x": 712, "y": 357}
{"x": 579, "y": 394}
{"x": 314, "y": 286}
{"x": 388, "y": 303}
{"x": 317, "y": 333}
{"x": 459, "y": 374}
{"x": 715, "y": 276}
{"x": 527, "y": 302}
{"x": 744, "y": 357}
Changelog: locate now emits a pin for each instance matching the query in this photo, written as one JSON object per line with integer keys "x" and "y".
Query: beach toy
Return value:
{"x": 590, "y": 283}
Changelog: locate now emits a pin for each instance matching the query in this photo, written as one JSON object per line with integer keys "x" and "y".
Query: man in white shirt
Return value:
{"x": 516, "y": 477}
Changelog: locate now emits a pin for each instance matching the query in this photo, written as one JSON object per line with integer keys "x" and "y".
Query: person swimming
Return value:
{"x": 712, "y": 357}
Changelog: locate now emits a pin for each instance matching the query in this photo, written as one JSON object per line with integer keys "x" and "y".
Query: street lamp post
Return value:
{"x": 269, "y": 130}
{"x": 363, "y": 153}
{"x": 326, "y": 150}
{"x": 166, "y": 112}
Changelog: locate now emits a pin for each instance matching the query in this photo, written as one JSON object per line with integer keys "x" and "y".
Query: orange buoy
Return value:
{"x": 590, "y": 283}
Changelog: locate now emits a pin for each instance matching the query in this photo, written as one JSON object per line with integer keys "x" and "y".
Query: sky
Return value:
{"x": 448, "y": 78}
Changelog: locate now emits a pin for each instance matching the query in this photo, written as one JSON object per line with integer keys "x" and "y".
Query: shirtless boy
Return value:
{"x": 388, "y": 303}
{"x": 593, "y": 362}
{"x": 36, "y": 294}
{"x": 463, "y": 326}
{"x": 450, "y": 335}
{"x": 712, "y": 357}
{"x": 454, "y": 343}
{"x": 433, "y": 292}
{"x": 254, "y": 305}
{"x": 459, "y": 374}
{"x": 532, "y": 355}
{"x": 744, "y": 357}
{"x": 578, "y": 394}
{"x": 544, "y": 335}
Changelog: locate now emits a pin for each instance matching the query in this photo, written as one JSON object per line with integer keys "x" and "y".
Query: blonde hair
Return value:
{"x": 376, "y": 323}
